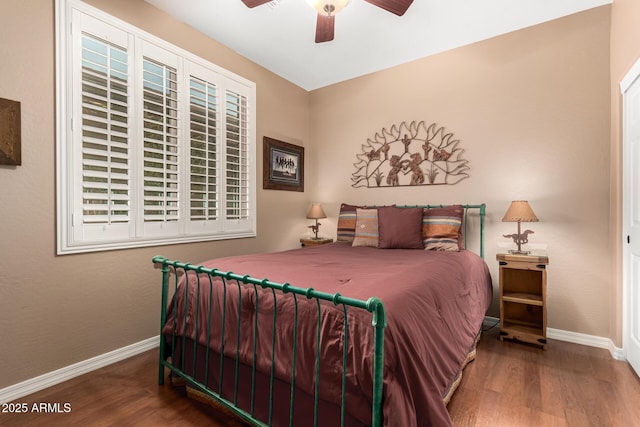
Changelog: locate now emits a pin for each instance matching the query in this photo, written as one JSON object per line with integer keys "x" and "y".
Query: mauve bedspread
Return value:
{"x": 435, "y": 304}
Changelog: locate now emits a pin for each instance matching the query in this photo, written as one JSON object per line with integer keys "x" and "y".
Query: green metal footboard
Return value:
{"x": 248, "y": 284}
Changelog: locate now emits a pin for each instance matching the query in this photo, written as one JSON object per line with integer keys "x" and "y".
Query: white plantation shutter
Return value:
{"x": 98, "y": 165}
{"x": 220, "y": 154}
{"x": 160, "y": 111}
{"x": 105, "y": 138}
{"x": 237, "y": 179}
{"x": 154, "y": 145}
{"x": 203, "y": 139}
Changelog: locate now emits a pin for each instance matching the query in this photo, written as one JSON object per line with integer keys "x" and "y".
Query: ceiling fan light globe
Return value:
{"x": 328, "y": 7}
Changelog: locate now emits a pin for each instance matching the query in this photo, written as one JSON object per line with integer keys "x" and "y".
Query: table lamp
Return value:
{"x": 315, "y": 212}
{"x": 519, "y": 211}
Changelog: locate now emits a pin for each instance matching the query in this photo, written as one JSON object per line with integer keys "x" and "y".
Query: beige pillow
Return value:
{"x": 366, "y": 231}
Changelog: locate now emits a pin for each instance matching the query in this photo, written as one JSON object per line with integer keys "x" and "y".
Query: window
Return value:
{"x": 154, "y": 145}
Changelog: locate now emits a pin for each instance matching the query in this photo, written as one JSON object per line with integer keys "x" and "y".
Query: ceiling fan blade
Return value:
{"x": 398, "y": 7}
{"x": 324, "y": 28}
{"x": 254, "y": 3}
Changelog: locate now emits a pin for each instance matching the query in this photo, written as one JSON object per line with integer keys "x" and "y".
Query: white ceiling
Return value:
{"x": 367, "y": 38}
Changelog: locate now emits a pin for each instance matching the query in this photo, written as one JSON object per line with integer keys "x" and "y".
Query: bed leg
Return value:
{"x": 379, "y": 323}
{"x": 163, "y": 319}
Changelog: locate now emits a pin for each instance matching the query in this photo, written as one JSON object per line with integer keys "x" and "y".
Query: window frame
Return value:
{"x": 72, "y": 235}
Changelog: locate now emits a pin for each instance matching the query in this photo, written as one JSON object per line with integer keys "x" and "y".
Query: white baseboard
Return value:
{"x": 590, "y": 340}
{"x": 41, "y": 382}
{"x": 574, "y": 337}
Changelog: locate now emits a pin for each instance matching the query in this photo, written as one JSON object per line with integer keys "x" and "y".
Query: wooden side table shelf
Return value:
{"x": 307, "y": 241}
{"x": 523, "y": 293}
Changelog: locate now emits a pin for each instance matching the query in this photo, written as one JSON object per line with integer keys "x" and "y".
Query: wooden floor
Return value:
{"x": 509, "y": 384}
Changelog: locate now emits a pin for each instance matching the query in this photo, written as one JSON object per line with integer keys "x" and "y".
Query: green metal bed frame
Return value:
{"x": 372, "y": 305}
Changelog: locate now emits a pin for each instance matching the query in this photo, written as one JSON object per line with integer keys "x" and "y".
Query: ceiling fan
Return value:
{"x": 327, "y": 10}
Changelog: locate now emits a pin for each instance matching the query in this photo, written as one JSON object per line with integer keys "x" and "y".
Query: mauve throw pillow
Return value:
{"x": 400, "y": 228}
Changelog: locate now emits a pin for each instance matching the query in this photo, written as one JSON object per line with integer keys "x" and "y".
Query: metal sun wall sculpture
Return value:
{"x": 410, "y": 155}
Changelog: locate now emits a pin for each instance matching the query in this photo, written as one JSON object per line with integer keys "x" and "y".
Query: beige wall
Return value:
{"x": 625, "y": 51}
{"x": 531, "y": 110}
{"x": 55, "y": 311}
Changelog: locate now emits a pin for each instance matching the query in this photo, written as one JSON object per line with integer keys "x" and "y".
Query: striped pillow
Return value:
{"x": 366, "y": 232}
{"x": 346, "y": 223}
{"x": 442, "y": 228}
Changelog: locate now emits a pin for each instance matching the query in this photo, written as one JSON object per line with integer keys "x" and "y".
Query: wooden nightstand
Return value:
{"x": 523, "y": 293}
{"x": 315, "y": 242}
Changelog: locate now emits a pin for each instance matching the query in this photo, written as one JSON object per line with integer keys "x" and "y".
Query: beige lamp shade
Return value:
{"x": 316, "y": 212}
{"x": 520, "y": 211}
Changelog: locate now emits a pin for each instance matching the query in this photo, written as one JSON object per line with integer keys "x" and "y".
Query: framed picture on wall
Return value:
{"x": 283, "y": 165}
{"x": 10, "y": 149}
